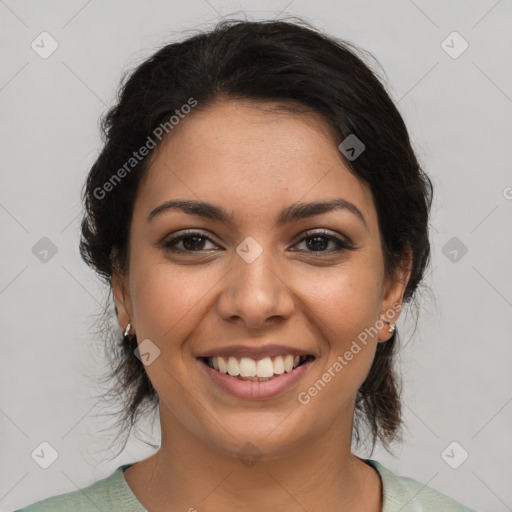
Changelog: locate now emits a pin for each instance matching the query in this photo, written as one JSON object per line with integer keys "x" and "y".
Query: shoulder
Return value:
{"x": 108, "y": 494}
{"x": 409, "y": 495}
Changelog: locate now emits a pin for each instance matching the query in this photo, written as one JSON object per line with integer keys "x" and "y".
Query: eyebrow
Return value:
{"x": 294, "y": 212}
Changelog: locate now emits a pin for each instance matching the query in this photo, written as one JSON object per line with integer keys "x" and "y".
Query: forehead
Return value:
{"x": 250, "y": 158}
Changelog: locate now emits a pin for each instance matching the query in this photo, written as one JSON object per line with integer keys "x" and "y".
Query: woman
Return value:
{"x": 260, "y": 217}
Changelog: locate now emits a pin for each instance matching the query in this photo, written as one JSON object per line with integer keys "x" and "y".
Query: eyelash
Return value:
{"x": 170, "y": 244}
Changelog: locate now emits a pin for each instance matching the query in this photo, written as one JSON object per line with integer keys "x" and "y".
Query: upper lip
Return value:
{"x": 255, "y": 352}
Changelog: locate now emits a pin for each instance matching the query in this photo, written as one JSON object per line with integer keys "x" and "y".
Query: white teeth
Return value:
{"x": 278, "y": 365}
{"x": 247, "y": 368}
{"x": 223, "y": 367}
{"x": 251, "y": 369}
{"x": 233, "y": 368}
{"x": 264, "y": 367}
{"x": 288, "y": 363}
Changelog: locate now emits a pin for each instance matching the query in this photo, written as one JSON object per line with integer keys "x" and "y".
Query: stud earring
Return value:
{"x": 392, "y": 327}
{"x": 127, "y": 330}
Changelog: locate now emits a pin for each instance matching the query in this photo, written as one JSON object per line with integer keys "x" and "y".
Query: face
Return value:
{"x": 200, "y": 283}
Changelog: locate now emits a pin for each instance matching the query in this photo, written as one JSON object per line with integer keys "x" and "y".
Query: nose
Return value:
{"x": 254, "y": 294}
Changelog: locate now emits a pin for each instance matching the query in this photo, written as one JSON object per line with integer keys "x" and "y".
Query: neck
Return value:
{"x": 188, "y": 473}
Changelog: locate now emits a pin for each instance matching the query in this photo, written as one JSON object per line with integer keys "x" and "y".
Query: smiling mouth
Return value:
{"x": 261, "y": 370}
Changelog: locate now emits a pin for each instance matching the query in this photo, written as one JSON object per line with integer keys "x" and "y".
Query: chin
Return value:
{"x": 272, "y": 441}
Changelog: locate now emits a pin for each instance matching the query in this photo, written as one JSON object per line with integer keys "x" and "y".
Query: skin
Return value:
{"x": 254, "y": 162}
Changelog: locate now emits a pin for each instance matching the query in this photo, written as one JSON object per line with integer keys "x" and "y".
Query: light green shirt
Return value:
{"x": 112, "y": 494}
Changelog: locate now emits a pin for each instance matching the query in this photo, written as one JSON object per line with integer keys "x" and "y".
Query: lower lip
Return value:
{"x": 253, "y": 389}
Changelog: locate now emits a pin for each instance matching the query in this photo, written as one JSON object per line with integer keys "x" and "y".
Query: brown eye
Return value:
{"x": 193, "y": 241}
{"x": 319, "y": 241}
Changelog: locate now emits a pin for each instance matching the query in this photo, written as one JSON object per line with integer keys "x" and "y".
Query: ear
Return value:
{"x": 121, "y": 292}
{"x": 393, "y": 292}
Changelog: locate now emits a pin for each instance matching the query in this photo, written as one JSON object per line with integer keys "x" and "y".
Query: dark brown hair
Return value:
{"x": 288, "y": 62}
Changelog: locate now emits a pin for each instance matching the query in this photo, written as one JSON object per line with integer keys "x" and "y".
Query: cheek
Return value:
{"x": 167, "y": 299}
{"x": 344, "y": 306}
{"x": 343, "y": 300}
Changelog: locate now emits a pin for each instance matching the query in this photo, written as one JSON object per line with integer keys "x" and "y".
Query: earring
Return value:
{"x": 392, "y": 327}
{"x": 127, "y": 330}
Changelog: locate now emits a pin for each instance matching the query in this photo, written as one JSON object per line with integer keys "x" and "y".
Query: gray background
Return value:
{"x": 456, "y": 366}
